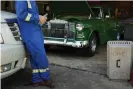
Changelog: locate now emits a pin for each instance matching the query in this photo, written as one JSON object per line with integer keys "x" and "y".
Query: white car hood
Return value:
{"x": 7, "y": 15}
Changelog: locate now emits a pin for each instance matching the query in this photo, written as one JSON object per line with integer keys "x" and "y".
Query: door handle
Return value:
{"x": 117, "y": 63}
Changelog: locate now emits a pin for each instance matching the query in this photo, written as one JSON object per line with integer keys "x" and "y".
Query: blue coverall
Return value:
{"x": 28, "y": 21}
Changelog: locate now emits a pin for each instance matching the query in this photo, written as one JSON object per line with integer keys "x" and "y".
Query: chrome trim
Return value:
{"x": 76, "y": 44}
{"x": 58, "y": 21}
{"x": 68, "y": 30}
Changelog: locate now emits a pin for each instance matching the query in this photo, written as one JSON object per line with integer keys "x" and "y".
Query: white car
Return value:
{"x": 13, "y": 56}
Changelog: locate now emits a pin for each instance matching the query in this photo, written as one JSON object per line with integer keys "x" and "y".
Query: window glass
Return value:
{"x": 96, "y": 12}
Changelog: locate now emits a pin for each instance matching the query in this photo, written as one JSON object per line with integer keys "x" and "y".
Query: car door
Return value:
{"x": 99, "y": 23}
{"x": 111, "y": 25}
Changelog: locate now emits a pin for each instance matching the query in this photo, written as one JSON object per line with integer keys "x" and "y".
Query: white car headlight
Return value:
{"x": 1, "y": 39}
{"x": 79, "y": 27}
{"x": 4, "y": 68}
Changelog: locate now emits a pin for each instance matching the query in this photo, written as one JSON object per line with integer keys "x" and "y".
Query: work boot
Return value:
{"x": 36, "y": 84}
{"x": 49, "y": 83}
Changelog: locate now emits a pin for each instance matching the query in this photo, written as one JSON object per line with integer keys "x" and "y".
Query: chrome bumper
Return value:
{"x": 76, "y": 44}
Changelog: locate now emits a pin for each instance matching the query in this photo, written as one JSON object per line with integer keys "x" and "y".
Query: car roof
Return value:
{"x": 7, "y": 15}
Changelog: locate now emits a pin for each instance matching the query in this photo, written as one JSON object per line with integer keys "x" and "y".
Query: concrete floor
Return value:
{"x": 72, "y": 58}
{"x": 71, "y": 71}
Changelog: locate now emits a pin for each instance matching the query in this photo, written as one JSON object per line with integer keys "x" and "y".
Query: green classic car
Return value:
{"x": 80, "y": 25}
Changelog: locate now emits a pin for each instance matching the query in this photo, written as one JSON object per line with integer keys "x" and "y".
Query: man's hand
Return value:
{"x": 42, "y": 19}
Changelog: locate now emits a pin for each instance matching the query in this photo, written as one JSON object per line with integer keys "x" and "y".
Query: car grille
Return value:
{"x": 58, "y": 30}
{"x": 71, "y": 31}
{"x": 15, "y": 31}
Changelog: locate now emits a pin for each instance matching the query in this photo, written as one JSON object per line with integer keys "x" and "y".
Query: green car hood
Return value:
{"x": 72, "y": 17}
{"x": 75, "y": 18}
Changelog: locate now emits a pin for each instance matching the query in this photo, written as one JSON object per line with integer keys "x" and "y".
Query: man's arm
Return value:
{"x": 23, "y": 14}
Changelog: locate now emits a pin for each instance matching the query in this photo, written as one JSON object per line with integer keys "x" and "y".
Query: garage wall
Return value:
{"x": 128, "y": 5}
{"x": 10, "y": 6}
{"x": 42, "y": 6}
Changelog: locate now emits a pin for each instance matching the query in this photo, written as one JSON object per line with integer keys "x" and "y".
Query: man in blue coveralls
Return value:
{"x": 29, "y": 22}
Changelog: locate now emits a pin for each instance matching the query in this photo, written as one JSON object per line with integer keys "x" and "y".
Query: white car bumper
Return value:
{"x": 14, "y": 55}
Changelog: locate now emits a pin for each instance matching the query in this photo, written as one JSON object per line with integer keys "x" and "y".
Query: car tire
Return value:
{"x": 93, "y": 43}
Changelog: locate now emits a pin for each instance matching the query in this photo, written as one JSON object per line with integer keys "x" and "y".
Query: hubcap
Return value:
{"x": 93, "y": 45}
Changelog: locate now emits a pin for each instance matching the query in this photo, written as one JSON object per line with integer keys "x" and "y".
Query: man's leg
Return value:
{"x": 35, "y": 76}
{"x": 42, "y": 65}
{"x": 45, "y": 73}
{"x": 39, "y": 55}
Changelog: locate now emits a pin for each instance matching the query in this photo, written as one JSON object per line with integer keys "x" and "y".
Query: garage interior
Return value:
{"x": 125, "y": 5}
{"x": 72, "y": 70}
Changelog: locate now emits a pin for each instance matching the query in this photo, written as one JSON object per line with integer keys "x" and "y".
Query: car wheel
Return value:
{"x": 93, "y": 45}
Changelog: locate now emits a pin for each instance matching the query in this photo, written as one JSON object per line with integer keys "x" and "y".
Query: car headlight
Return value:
{"x": 5, "y": 68}
{"x": 1, "y": 39}
{"x": 79, "y": 27}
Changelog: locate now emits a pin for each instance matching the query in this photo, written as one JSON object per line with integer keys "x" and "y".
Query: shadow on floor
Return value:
{"x": 69, "y": 51}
